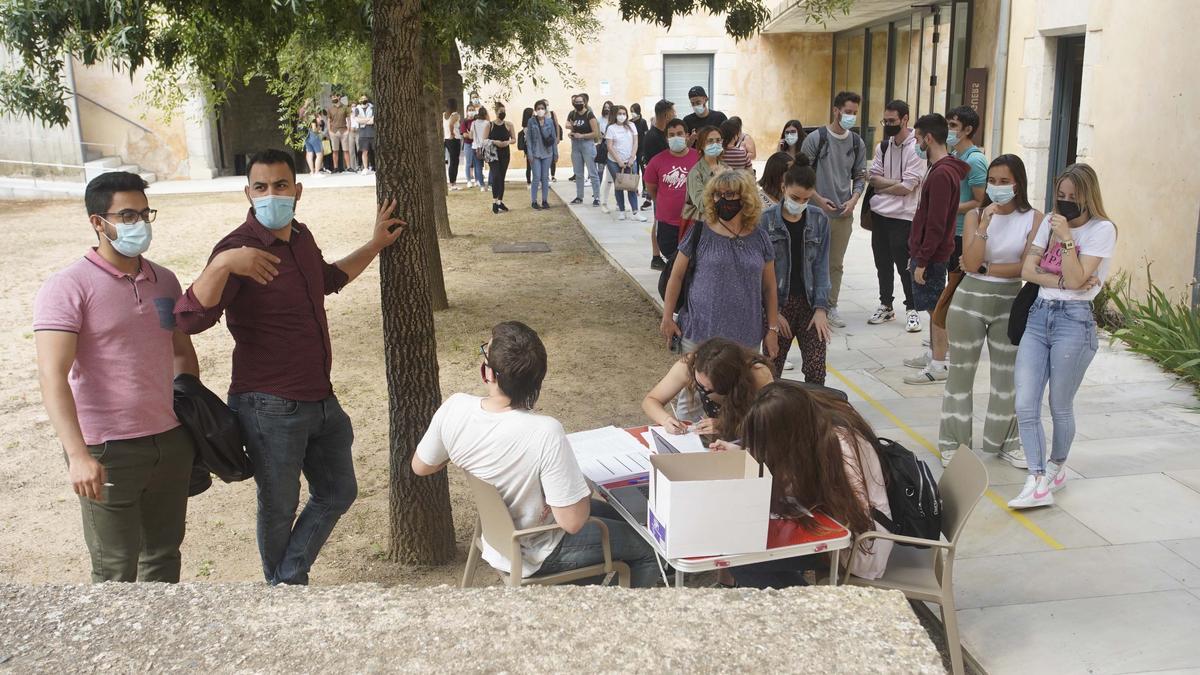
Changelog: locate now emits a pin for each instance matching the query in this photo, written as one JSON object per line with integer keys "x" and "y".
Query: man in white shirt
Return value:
{"x": 529, "y": 461}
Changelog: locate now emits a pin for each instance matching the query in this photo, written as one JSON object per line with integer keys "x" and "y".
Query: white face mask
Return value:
{"x": 539, "y": 112}
{"x": 698, "y": 109}
{"x": 794, "y": 207}
{"x": 621, "y": 119}
{"x": 791, "y": 138}
{"x": 634, "y": 116}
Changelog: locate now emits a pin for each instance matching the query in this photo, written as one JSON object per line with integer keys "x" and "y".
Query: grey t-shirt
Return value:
{"x": 842, "y": 167}
{"x": 725, "y": 298}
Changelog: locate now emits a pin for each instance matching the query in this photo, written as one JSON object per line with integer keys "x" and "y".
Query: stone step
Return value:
{"x": 148, "y": 176}
{"x": 98, "y": 166}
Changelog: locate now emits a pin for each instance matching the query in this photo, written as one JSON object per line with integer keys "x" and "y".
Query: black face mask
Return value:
{"x": 727, "y": 209}
{"x": 890, "y": 130}
{"x": 1068, "y": 210}
{"x": 579, "y": 107}
{"x": 500, "y": 115}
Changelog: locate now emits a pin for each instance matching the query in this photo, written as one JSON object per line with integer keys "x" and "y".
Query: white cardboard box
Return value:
{"x": 711, "y": 503}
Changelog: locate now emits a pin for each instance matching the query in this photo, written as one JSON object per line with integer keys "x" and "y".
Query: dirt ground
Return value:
{"x": 600, "y": 333}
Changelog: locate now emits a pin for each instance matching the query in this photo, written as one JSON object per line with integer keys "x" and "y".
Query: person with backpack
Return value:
{"x": 839, "y": 157}
{"x": 820, "y": 452}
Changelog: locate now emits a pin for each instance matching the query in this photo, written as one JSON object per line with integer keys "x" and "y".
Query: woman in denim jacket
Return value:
{"x": 799, "y": 231}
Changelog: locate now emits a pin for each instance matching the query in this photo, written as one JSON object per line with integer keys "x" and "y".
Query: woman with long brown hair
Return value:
{"x": 820, "y": 452}
{"x": 719, "y": 380}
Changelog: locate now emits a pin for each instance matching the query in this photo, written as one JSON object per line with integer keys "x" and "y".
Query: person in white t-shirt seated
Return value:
{"x": 526, "y": 456}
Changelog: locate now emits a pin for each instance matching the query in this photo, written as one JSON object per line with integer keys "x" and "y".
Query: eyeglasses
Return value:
{"x": 727, "y": 195}
{"x": 129, "y": 216}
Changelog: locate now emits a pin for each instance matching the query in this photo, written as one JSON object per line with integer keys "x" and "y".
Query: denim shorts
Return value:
{"x": 925, "y": 296}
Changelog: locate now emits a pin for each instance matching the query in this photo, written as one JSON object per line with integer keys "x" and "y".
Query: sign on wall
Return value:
{"x": 975, "y": 97}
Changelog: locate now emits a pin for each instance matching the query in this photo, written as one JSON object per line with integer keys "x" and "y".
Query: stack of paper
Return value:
{"x": 689, "y": 442}
{"x": 609, "y": 454}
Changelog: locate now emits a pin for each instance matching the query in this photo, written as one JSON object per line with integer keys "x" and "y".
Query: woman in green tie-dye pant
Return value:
{"x": 995, "y": 238}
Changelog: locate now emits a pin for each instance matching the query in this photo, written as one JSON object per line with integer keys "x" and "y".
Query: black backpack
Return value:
{"x": 665, "y": 275}
{"x": 912, "y": 493}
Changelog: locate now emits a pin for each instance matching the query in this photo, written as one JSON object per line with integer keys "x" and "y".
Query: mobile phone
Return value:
{"x": 676, "y": 344}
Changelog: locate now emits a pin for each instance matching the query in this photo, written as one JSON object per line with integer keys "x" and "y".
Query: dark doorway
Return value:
{"x": 1064, "y": 123}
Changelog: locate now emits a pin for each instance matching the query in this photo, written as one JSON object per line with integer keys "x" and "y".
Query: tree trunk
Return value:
{"x": 452, "y": 82}
{"x": 421, "y": 528}
{"x": 434, "y": 104}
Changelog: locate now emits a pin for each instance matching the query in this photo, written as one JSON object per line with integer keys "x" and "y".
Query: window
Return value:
{"x": 681, "y": 72}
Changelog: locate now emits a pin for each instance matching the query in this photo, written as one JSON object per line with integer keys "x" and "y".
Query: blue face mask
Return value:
{"x": 713, "y": 149}
{"x": 1001, "y": 194}
{"x": 921, "y": 152}
{"x": 848, "y": 120}
{"x": 275, "y": 212}
{"x": 952, "y": 139}
{"x": 794, "y": 207}
{"x": 132, "y": 240}
{"x": 677, "y": 143}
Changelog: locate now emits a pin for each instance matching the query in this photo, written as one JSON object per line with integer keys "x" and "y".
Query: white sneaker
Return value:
{"x": 1036, "y": 492}
{"x": 1056, "y": 475}
{"x": 788, "y": 365}
{"x": 470, "y": 183}
{"x": 483, "y": 188}
{"x": 914, "y": 322}
{"x": 620, "y": 216}
{"x": 603, "y": 207}
{"x": 919, "y": 362}
{"x": 928, "y": 375}
{"x": 640, "y": 216}
{"x": 835, "y": 319}
{"x": 1015, "y": 458}
{"x": 882, "y": 314}
{"x": 948, "y": 455}
{"x": 925, "y": 343}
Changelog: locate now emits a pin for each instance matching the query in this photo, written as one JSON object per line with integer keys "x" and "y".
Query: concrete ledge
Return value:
{"x": 365, "y": 627}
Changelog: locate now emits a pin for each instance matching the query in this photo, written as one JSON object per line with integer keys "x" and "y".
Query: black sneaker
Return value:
{"x": 495, "y": 208}
{"x": 545, "y": 205}
{"x": 572, "y": 179}
{"x": 503, "y": 207}
{"x": 534, "y": 206}
{"x": 645, "y": 204}
{"x": 596, "y": 201}
{"x": 657, "y": 263}
{"x": 577, "y": 200}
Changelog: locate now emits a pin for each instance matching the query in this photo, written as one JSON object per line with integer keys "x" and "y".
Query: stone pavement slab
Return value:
{"x": 1106, "y": 580}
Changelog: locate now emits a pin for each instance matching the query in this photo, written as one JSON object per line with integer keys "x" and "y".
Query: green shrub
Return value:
{"x": 1164, "y": 330}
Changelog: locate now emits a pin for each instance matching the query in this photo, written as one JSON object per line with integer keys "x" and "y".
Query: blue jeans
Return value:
{"x": 285, "y": 438}
{"x": 583, "y": 548}
{"x": 583, "y": 155}
{"x": 782, "y": 573}
{"x": 613, "y": 170}
{"x": 541, "y": 177}
{"x": 474, "y": 165}
{"x": 1057, "y": 348}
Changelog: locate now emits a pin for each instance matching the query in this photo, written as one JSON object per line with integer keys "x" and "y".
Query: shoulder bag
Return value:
{"x": 864, "y": 211}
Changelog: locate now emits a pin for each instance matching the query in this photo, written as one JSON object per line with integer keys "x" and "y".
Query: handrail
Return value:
{"x": 113, "y": 112}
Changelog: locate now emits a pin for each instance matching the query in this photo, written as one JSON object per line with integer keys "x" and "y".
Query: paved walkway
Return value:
{"x": 1108, "y": 580}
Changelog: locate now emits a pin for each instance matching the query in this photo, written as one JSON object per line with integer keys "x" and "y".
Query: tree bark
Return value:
{"x": 434, "y": 104}
{"x": 420, "y": 525}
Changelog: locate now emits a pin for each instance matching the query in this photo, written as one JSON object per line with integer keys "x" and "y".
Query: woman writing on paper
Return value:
{"x": 720, "y": 380}
{"x": 819, "y": 451}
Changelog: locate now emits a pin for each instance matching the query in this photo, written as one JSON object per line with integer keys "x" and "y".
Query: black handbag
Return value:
{"x": 214, "y": 430}
{"x": 665, "y": 275}
{"x": 1019, "y": 316}
{"x": 864, "y": 211}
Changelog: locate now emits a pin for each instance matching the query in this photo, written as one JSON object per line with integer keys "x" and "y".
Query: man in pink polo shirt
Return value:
{"x": 107, "y": 353}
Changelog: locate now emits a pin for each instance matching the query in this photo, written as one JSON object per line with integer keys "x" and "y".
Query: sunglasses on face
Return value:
{"x": 727, "y": 195}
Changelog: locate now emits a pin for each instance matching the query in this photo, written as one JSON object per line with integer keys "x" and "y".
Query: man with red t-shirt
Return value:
{"x": 666, "y": 181}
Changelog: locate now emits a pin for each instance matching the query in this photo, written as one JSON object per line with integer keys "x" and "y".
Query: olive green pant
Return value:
{"x": 840, "y": 229}
{"x": 134, "y": 531}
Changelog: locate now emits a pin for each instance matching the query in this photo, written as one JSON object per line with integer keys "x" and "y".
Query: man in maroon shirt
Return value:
{"x": 931, "y": 240}
{"x": 270, "y": 280}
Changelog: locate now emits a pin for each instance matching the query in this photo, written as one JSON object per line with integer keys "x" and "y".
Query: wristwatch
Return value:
{"x": 1069, "y": 245}
{"x": 774, "y": 328}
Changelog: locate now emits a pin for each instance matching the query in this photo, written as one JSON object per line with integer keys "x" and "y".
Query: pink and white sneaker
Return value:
{"x": 1056, "y": 475}
{"x": 1036, "y": 492}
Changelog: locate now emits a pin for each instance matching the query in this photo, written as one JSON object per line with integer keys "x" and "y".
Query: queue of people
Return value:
{"x": 748, "y": 266}
{"x": 340, "y": 138}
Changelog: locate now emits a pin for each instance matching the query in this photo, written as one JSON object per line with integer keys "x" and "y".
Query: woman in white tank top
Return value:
{"x": 995, "y": 239}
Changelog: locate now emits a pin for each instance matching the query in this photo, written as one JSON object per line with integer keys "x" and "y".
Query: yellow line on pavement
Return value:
{"x": 991, "y": 495}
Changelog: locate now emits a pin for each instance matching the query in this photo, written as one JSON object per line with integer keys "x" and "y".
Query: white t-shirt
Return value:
{"x": 621, "y": 138}
{"x": 524, "y": 455}
{"x": 1097, "y": 238}
{"x": 1007, "y": 234}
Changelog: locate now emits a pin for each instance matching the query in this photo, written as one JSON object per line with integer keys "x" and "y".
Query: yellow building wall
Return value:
{"x": 766, "y": 80}
{"x": 162, "y": 149}
{"x": 1139, "y": 119}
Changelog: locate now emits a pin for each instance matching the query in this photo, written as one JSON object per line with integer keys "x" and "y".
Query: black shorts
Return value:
{"x": 366, "y": 143}
{"x": 925, "y": 296}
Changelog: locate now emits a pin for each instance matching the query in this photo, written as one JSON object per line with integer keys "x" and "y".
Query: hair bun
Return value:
{"x": 801, "y": 160}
